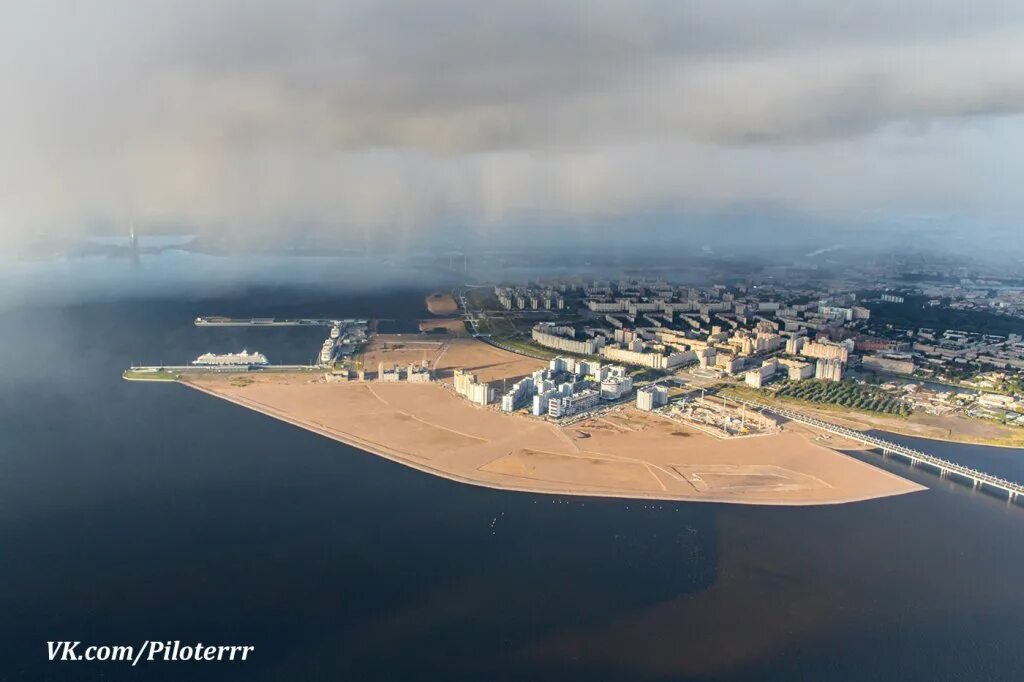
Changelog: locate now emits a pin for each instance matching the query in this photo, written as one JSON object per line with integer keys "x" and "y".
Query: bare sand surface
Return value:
{"x": 441, "y": 304}
{"x": 450, "y": 325}
{"x": 487, "y": 362}
{"x": 445, "y": 354}
{"x": 627, "y": 454}
{"x": 402, "y": 349}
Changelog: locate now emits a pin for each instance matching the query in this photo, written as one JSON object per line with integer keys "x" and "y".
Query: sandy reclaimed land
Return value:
{"x": 450, "y": 325}
{"x": 402, "y": 349}
{"x": 487, "y": 362}
{"x": 626, "y": 454}
{"x": 441, "y": 304}
{"x": 444, "y": 354}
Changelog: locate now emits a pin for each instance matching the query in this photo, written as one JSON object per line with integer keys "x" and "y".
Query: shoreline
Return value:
{"x": 880, "y": 483}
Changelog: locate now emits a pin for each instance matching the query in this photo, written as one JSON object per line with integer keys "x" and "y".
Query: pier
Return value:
{"x": 140, "y": 371}
{"x": 274, "y": 322}
{"x": 979, "y": 480}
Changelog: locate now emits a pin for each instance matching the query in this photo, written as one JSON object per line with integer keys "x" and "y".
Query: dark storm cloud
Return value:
{"x": 369, "y": 113}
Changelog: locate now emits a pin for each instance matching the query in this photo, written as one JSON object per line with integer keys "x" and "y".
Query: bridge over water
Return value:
{"x": 978, "y": 479}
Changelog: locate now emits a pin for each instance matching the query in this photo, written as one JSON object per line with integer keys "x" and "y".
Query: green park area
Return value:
{"x": 915, "y": 313}
{"x": 842, "y": 394}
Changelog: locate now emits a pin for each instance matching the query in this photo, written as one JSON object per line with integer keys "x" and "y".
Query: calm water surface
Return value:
{"x": 132, "y": 511}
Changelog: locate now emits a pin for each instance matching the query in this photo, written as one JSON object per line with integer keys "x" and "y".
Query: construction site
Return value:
{"x": 719, "y": 416}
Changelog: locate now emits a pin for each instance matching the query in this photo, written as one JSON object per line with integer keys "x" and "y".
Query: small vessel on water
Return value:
{"x": 243, "y": 359}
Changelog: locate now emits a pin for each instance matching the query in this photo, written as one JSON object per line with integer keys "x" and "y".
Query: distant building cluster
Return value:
{"x": 656, "y": 325}
{"x": 530, "y": 298}
{"x": 786, "y": 324}
{"x": 963, "y": 347}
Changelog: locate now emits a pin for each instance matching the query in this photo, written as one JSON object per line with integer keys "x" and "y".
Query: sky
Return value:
{"x": 421, "y": 119}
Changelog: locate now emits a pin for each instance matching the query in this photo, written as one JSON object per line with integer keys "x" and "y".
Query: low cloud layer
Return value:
{"x": 235, "y": 115}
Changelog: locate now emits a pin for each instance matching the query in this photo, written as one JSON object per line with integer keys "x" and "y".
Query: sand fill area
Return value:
{"x": 627, "y": 453}
{"x": 445, "y": 354}
{"x": 441, "y": 304}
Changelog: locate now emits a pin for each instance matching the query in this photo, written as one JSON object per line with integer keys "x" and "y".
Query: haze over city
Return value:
{"x": 463, "y": 121}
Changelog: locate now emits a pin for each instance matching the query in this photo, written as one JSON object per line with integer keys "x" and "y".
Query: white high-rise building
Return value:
{"x": 614, "y": 387}
{"x": 547, "y": 335}
{"x": 828, "y": 369}
{"x": 651, "y": 397}
{"x": 826, "y": 350}
{"x": 562, "y": 364}
{"x": 570, "y": 405}
{"x": 756, "y": 378}
{"x": 797, "y": 370}
{"x": 466, "y": 385}
{"x": 520, "y": 394}
{"x": 794, "y": 344}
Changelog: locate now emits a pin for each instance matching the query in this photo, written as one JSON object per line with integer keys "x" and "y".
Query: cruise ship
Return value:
{"x": 243, "y": 359}
{"x": 327, "y": 351}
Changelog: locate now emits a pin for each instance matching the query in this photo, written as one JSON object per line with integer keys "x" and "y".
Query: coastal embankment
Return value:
{"x": 626, "y": 453}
